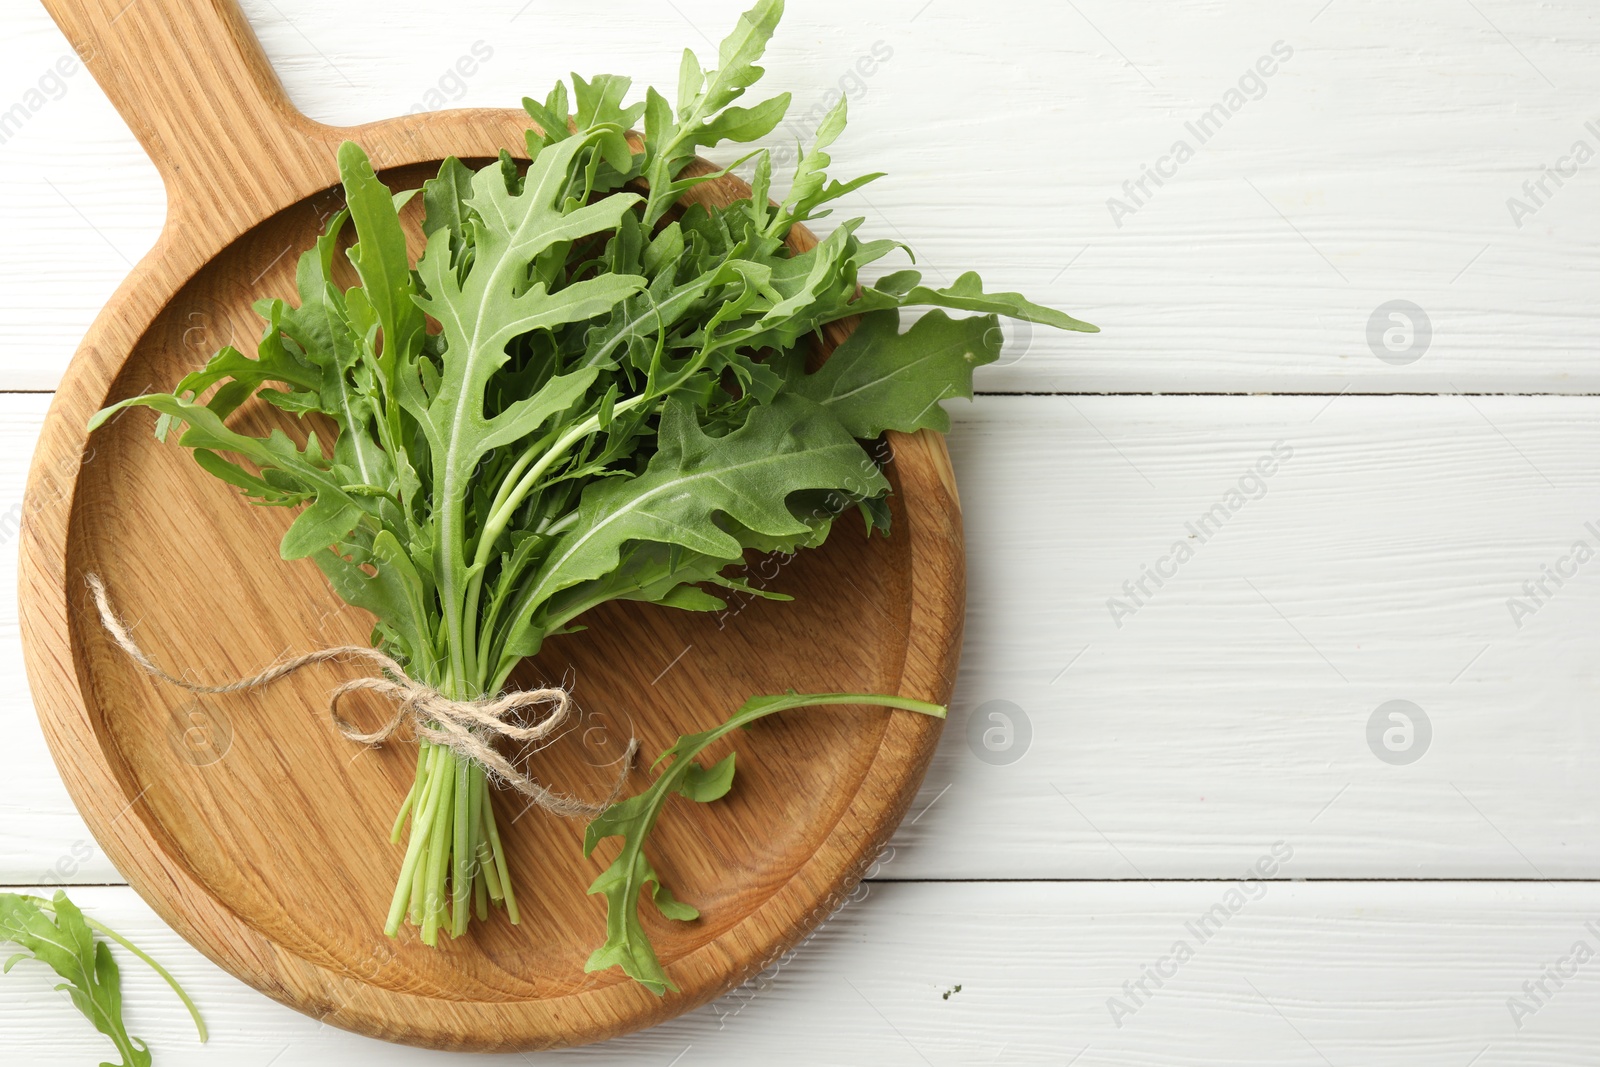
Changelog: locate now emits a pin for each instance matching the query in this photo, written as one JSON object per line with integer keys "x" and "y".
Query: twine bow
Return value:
{"x": 466, "y": 727}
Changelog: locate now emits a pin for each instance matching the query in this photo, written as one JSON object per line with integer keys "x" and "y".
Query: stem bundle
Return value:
{"x": 454, "y": 862}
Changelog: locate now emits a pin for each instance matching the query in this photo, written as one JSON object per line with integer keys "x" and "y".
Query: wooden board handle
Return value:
{"x": 190, "y": 79}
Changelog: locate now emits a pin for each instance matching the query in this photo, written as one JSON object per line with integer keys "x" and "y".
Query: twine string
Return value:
{"x": 468, "y": 728}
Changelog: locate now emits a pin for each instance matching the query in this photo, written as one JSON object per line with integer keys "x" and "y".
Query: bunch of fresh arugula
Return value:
{"x": 56, "y": 933}
{"x": 585, "y": 390}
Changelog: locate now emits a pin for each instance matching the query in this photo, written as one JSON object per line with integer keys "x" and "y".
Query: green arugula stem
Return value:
{"x": 454, "y": 861}
{"x": 565, "y": 522}
{"x": 417, "y": 786}
{"x": 502, "y": 873}
{"x": 501, "y": 515}
{"x": 505, "y": 505}
{"x": 463, "y": 849}
{"x": 438, "y": 842}
{"x": 473, "y": 849}
{"x": 427, "y": 787}
{"x": 761, "y": 707}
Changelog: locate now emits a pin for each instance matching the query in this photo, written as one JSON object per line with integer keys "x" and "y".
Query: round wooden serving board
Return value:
{"x": 244, "y": 820}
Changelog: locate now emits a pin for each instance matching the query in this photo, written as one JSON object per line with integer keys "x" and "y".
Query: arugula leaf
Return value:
{"x": 58, "y": 935}
{"x": 811, "y": 189}
{"x": 625, "y": 881}
{"x": 692, "y": 485}
{"x": 302, "y": 468}
{"x": 380, "y": 258}
{"x": 395, "y": 592}
{"x": 881, "y": 379}
{"x": 904, "y": 287}
{"x": 704, "y": 117}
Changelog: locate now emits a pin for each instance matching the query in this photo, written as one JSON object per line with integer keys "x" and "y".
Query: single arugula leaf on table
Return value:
{"x": 56, "y": 933}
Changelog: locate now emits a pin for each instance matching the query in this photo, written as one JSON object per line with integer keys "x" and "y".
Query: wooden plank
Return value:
{"x": 1233, "y": 705}
{"x": 1299, "y": 974}
{"x": 1376, "y": 163}
{"x": 1222, "y": 713}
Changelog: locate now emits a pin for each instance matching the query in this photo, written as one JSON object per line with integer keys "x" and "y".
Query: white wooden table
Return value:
{"x": 1414, "y": 540}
